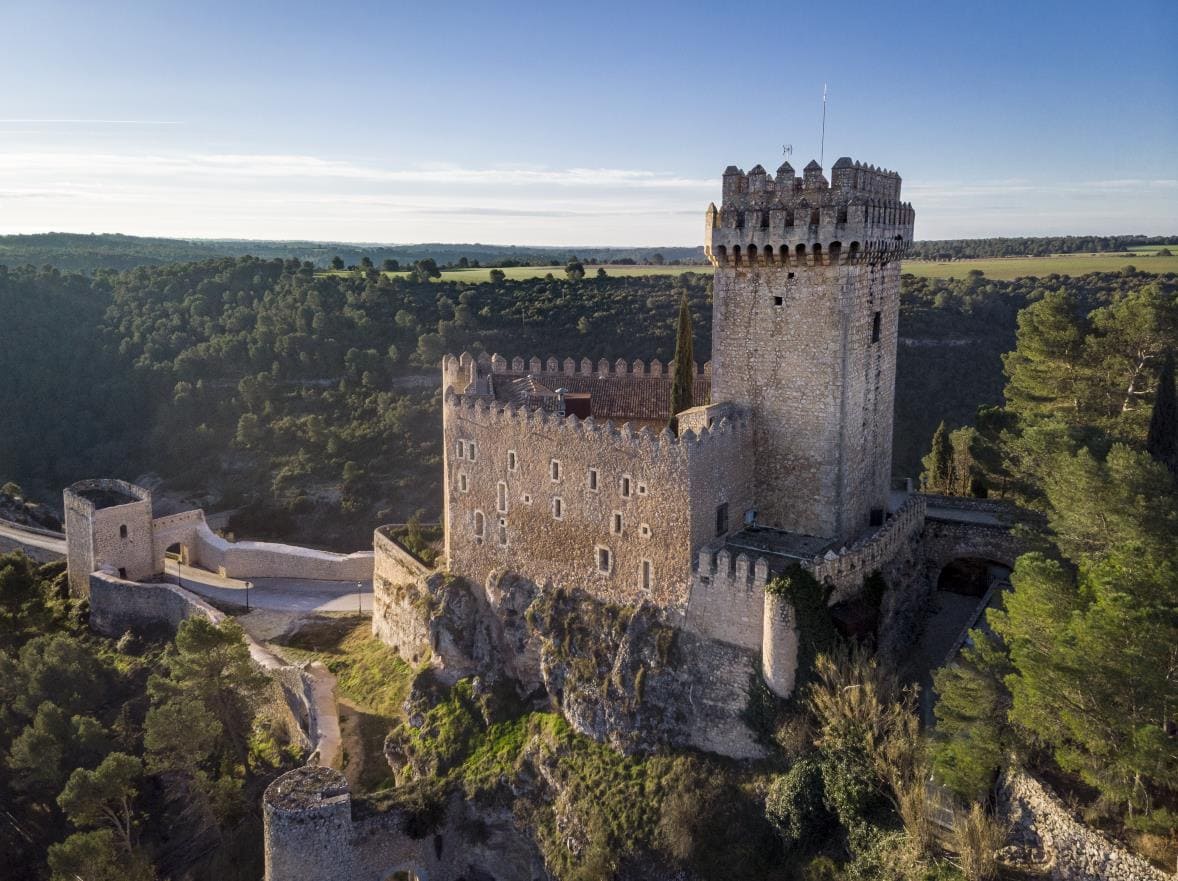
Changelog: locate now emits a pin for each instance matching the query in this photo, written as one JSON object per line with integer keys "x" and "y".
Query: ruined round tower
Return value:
{"x": 806, "y": 306}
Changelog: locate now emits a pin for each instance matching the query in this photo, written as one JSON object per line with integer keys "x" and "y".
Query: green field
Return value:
{"x": 1003, "y": 268}
{"x": 1006, "y": 268}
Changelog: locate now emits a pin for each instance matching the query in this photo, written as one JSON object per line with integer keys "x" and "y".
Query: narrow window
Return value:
{"x": 554, "y": 468}
{"x": 644, "y": 530}
{"x": 625, "y": 486}
{"x": 527, "y": 499}
{"x": 123, "y": 531}
{"x": 462, "y": 449}
{"x": 593, "y": 480}
{"x": 616, "y": 525}
{"x": 502, "y": 532}
{"x": 557, "y": 509}
{"x": 471, "y": 449}
{"x": 721, "y": 519}
{"x": 603, "y": 560}
{"x": 501, "y": 498}
{"x": 642, "y": 489}
{"x": 463, "y": 484}
{"x": 789, "y": 275}
{"x": 479, "y": 524}
{"x": 875, "y": 328}
{"x": 646, "y": 575}
{"x": 512, "y": 463}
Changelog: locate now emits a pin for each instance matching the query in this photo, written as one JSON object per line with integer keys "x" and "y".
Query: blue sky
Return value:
{"x": 575, "y": 124}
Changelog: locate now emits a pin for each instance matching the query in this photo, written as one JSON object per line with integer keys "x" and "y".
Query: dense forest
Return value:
{"x": 129, "y": 759}
{"x": 1040, "y": 246}
{"x": 267, "y": 385}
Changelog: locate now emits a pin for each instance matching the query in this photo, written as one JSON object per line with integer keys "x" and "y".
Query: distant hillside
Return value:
{"x": 87, "y": 253}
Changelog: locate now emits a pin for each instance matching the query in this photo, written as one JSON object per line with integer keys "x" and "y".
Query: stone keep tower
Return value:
{"x": 806, "y": 304}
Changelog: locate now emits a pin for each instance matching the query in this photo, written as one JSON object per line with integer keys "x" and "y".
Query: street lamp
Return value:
{"x": 179, "y": 579}
{"x": 360, "y": 597}
{"x": 248, "y": 584}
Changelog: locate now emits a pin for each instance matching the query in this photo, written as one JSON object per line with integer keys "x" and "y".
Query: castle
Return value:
{"x": 565, "y": 472}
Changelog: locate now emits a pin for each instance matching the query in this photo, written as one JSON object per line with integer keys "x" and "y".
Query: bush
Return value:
{"x": 796, "y": 805}
{"x": 976, "y": 839}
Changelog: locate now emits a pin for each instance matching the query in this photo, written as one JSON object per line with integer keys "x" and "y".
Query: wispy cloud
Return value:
{"x": 90, "y": 122}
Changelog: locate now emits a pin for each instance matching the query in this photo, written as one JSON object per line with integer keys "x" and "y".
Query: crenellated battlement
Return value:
{"x": 845, "y": 569}
{"x": 489, "y": 412}
{"x": 806, "y": 221}
{"x": 460, "y": 366}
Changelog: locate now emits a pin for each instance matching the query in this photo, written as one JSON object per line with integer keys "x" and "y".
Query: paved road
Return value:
{"x": 42, "y": 547}
{"x": 277, "y": 594}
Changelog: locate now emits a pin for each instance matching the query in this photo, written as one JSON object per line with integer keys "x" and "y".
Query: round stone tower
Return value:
{"x": 307, "y": 814}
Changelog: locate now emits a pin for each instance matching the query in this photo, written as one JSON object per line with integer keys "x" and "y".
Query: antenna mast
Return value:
{"x": 822, "y": 143}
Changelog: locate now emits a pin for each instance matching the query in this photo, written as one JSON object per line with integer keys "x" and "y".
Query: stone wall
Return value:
{"x": 259, "y": 559}
{"x": 118, "y": 606}
{"x": 646, "y": 498}
{"x": 728, "y": 598}
{"x": 1076, "y": 852}
{"x": 400, "y": 600}
{"x": 845, "y": 570}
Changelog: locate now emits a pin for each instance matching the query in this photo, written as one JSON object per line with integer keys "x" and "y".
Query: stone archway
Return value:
{"x": 970, "y": 576}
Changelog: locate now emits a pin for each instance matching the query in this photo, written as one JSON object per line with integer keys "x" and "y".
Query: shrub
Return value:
{"x": 796, "y": 805}
{"x": 976, "y": 839}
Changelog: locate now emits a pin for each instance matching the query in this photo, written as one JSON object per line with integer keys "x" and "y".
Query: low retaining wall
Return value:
{"x": 259, "y": 559}
{"x": 1077, "y": 852}
{"x": 117, "y": 606}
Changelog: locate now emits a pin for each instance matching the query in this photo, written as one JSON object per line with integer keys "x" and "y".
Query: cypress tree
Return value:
{"x": 938, "y": 464}
{"x": 682, "y": 396}
{"x": 1162, "y": 440}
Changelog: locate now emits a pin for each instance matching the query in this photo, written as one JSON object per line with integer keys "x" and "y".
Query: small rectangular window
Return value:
{"x": 604, "y": 560}
{"x": 461, "y": 452}
{"x": 463, "y": 484}
{"x": 646, "y": 575}
{"x": 479, "y": 522}
{"x": 123, "y": 531}
{"x": 779, "y": 301}
{"x": 625, "y": 486}
{"x": 555, "y": 470}
{"x": 512, "y": 462}
{"x": 501, "y": 498}
{"x": 557, "y": 509}
{"x": 593, "y": 480}
{"x": 502, "y": 532}
{"x": 122, "y": 573}
{"x": 642, "y": 489}
{"x": 470, "y": 451}
{"x": 721, "y": 519}
{"x": 875, "y": 328}
{"x": 616, "y": 523}
{"x": 789, "y": 275}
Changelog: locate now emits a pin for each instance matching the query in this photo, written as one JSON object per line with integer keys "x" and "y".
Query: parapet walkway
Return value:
{"x": 293, "y": 595}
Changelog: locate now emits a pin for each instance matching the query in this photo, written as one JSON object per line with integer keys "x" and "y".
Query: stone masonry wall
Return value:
{"x": 1078, "y": 853}
{"x": 259, "y": 559}
{"x": 820, "y": 389}
{"x": 728, "y": 598}
{"x": 845, "y": 570}
{"x": 398, "y": 596}
{"x": 655, "y": 499}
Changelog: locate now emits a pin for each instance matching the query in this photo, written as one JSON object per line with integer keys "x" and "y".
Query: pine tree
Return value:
{"x": 682, "y": 396}
{"x": 1162, "y": 440}
{"x": 938, "y": 464}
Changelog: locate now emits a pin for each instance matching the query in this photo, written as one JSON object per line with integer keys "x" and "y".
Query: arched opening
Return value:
{"x": 783, "y": 251}
{"x": 800, "y": 255}
{"x": 177, "y": 552}
{"x": 752, "y": 255}
{"x": 722, "y": 254}
{"x": 817, "y": 251}
{"x": 836, "y": 250}
{"x": 736, "y": 255}
{"x": 764, "y": 220}
{"x": 970, "y": 576}
{"x": 854, "y": 252}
